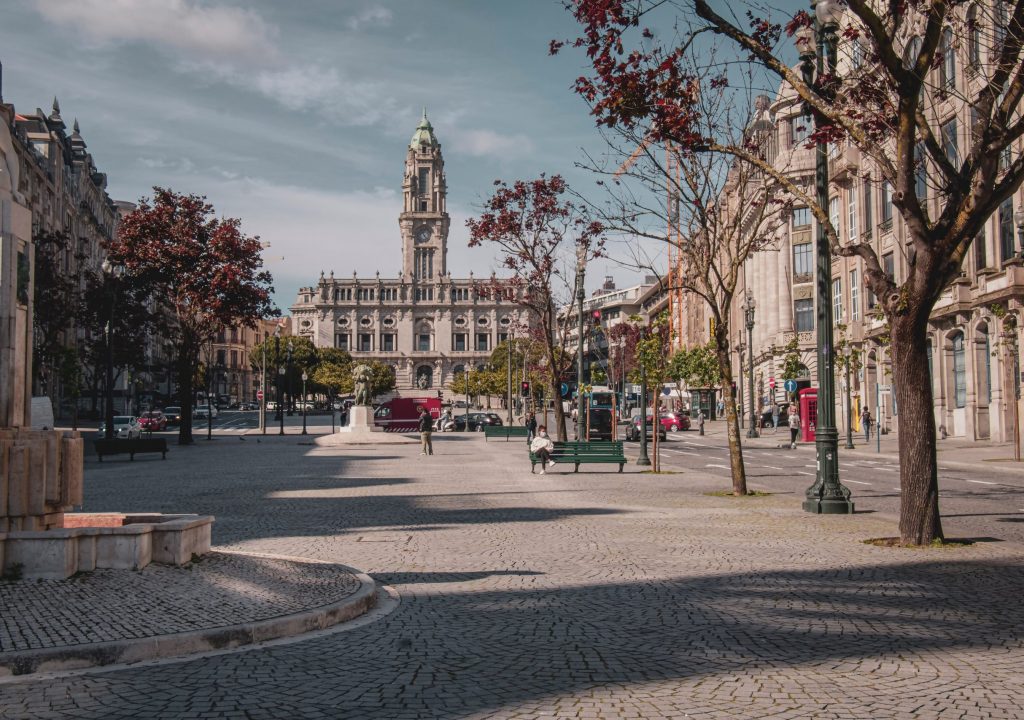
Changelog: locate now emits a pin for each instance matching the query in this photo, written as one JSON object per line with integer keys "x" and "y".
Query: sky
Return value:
{"x": 295, "y": 116}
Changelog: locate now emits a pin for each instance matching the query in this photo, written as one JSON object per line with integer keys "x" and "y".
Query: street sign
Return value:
{"x": 884, "y": 388}
{"x": 791, "y": 386}
{"x": 564, "y": 389}
{"x": 771, "y": 383}
{"x": 666, "y": 391}
{"x": 259, "y": 394}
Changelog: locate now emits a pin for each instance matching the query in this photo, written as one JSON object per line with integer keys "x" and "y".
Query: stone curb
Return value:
{"x": 134, "y": 650}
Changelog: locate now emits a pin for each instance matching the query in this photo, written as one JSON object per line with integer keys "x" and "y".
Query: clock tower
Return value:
{"x": 424, "y": 220}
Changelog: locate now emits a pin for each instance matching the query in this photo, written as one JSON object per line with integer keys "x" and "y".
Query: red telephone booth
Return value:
{"x": 808, "y": 413}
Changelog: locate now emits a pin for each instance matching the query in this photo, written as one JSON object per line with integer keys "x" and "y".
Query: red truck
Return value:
{"x": 401, "y": 414}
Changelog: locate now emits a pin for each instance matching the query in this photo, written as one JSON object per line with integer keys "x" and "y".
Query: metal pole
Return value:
{"x": 465, "y": 375}
{"x": 263, "y": 391}
{"x": 742, "y": 412}
{"x": 580, "y": 294}
{"x": 288, "y": 379}
{"x": 643, "y": 459}
{"x": 1016, "y": 402}
{"x": 304, "y": 378}
{"x": 849, "y": 406}
{"x": 108, "y": 405}
{"x": 749, "y": 311}
{"x": 510, "y": 379}
{"x": 827, "y": 495}
{"x": 878, "y": 405}
{"x": 209, "y": 404}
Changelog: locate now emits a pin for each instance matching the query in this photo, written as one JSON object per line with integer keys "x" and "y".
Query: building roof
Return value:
{"x": 424, "y": 134}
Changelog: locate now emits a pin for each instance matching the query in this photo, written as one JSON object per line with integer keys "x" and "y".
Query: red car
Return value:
{"x": 153, "y": 421}
{"x": 675, "y": 421}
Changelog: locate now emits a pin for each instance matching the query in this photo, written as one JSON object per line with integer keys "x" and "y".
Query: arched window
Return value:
{"x": 959, "y": 371}
{"x": 947, "y": 71}
{"x": 973, "y": 38}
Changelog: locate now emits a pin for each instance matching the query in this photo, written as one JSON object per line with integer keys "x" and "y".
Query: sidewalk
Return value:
{"x": 954, "y": 452}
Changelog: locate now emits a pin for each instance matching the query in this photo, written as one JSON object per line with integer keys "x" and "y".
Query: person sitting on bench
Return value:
{"x": 542, "y": 447}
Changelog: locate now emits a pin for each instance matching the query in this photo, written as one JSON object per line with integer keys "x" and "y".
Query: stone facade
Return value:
{"x": 425, "y": 324}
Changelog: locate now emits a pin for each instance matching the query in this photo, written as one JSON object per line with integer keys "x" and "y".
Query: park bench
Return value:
{"x": 505, "y": 431}
{"x": 133, "y": 446}
{"x": 577, "y": 452}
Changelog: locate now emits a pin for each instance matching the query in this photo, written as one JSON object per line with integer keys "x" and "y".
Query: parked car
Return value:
{"x": 675, "y": 421}
{"x": 201, "y": 411}
{"x": 172, "y": 415}
{"x": 125, "y": 427}
{"x": 633, "y": 429}
{"x": 153, "y": 421}
{"x": 249, "y": 406}
{"x": 477, "y": 421}
{"x": 766, "y": 416}
{"x": 271, "y": 406}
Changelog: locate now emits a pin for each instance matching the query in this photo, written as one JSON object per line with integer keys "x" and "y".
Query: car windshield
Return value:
{"x": 173, "y": 409}
{"x": 122, "y": 420}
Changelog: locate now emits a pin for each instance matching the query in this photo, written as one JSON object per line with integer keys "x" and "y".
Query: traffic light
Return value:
{"x": 525, "y": 388}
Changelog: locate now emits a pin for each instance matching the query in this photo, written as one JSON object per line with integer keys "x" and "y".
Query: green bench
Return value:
{"x": 132, "y": 447}
{"x": 505, "y": 431}
{"x": 575, "y": 453}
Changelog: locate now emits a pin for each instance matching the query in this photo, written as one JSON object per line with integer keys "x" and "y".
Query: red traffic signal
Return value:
{"x": 525, "y": 388}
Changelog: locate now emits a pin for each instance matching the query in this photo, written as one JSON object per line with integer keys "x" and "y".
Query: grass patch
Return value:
{"x": 949, "y": 543}
{"x": 729, "y": 493}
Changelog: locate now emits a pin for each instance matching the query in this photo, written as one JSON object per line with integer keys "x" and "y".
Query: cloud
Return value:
{"x": 376, "y": 15}
{"x": 480, "y": 143}
{"x": 206, "y": 33}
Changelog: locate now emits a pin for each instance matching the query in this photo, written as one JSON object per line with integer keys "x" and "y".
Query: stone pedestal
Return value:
{"x": 361, "y": 430}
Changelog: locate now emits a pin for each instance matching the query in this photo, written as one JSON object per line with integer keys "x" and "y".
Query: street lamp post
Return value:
{"x": 305, "y": 377}
{"x": 277, "y": 363}
{"x": 818, "y": 54}
{"x": 847, "y": 358}
{"x": 112, "y": 274}
{"x": 748, "y": 314}
{"x": 263, "y": 390}
{"x": 510, "y": 336}
{"x": 581, "y": 264}
{"x": 209, "y": 402}
{"x": 291, "y": 395}
{"x": 280, "y": 398}
{"x": 643, "y": 459}
{"x": 465, "y": 376}
{"x": 739, "y": 349}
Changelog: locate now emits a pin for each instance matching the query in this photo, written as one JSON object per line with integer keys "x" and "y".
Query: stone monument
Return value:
{"x": 361, "y": 428}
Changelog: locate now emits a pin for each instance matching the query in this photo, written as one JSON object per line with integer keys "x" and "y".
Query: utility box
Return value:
{"x": 808, "y": 413}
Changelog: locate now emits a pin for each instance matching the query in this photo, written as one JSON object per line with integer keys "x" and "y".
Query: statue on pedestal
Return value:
{"x": 362, "y": 379}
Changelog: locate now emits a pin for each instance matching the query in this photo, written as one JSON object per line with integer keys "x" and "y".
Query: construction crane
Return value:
{"x": 673, "y": 178}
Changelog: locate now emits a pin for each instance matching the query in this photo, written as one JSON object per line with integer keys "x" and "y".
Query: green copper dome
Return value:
{"x": 424, "y": 134}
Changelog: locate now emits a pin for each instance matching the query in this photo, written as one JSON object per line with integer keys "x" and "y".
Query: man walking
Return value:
{"x": 865, "y": 421}
{"x": 531, "y": 427}
{"x": 426, "y": 426}
{"x": 775, "y": 417}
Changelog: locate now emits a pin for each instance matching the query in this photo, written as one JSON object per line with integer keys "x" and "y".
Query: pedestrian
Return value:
{"x": 794, "y": 426}
{"x": 542, "y": 448}
{"x": 721, "y": 407}
{"x": 775, "y": 416}
{"x": 865, "y": 421}
{"x": 531, "y": 427}
{"x": 425, "y": 427}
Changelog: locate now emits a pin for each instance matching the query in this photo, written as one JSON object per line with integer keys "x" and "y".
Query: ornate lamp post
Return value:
{"x": 279, "y": 415}
{"x": 465, "y": 376}
{"x": 305, "y": 377}
{"x": 748, "y": 316}
{"x": 581, "y": 264}
{"x": 112, "y": 273}
{"x": 818, "y": 50}
{"x": 847, "y": 359}
{"x": 643, "y": 459}
{"x": 291, "y": 395}
{"x": 739, "y": 405}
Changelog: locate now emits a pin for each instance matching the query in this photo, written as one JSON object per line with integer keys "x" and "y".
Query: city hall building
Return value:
{"x": 426, "y": 325}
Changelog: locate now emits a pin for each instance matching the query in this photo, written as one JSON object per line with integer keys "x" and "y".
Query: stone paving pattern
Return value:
{"x": 218, "y": 590}
{"x": 595, "y": 595}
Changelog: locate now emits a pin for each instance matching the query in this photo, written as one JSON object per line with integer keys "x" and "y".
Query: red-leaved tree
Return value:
{"x": 537, "y": 233}
{"x": 204, "y": 268}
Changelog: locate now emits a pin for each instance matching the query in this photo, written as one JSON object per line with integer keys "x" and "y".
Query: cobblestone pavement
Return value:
{"x": 216, "y": 591}
{"x": 595, "y": 595}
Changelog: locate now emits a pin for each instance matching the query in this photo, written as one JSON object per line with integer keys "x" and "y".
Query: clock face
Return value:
{"x": 423, "y": 234}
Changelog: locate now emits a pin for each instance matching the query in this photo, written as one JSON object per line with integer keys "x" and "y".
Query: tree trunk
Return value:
{"x": 732, "y": 424}
{"x": 186, "y": 374}
{"x": 556, "y": 393}
{"x": 920, "y": 523}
